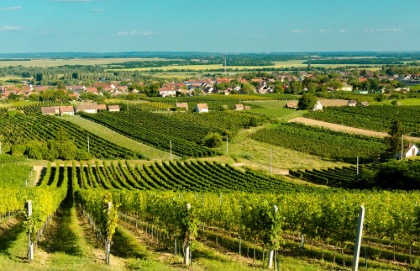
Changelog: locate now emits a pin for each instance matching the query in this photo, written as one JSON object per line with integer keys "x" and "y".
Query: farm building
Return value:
{"x": 50, "y": 110}
{"x": 181, "y": 106}
{"x": 239, "y": 107}
{"x": 87, "y": 108}
{"x": 364, "y": 104}
{"x": 291, "y": 105}
{"x": 114, "y": 108}
{"x": 320, "y": 104}
{"x": 167, "y": 92}
{"x": 247, "y": 107}
{"x": 101, "y": 107}
{"x": 410, "y": 150}
{"x": 67, "y": 110}
{"x": 201, "y": 108}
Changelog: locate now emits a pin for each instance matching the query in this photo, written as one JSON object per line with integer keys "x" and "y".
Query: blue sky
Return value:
{"x": 213, "y": 26}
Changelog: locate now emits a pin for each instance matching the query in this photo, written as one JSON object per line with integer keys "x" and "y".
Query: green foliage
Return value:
{"x": 35, "y": 131}
{"x": 213, "y": 140}
{"x": 373, "y": 117}
{"x": 321, "y": 142}
{"x": 393, "y": 140}
{"x": 18, "y": 150}
{"x": 307, "y": 101}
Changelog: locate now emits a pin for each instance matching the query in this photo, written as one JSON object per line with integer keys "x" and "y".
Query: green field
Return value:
{"x": 117, "y": 138}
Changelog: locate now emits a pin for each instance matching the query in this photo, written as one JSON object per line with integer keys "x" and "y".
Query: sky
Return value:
{"x": 28, "y": 26}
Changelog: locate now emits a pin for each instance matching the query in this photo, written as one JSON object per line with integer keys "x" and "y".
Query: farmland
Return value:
{"x": 148, "y": 188}
{"x": 377, "y": 118}
{"x": 143, "y": 209}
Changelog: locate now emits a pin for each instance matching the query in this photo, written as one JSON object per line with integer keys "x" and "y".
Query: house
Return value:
{"x": 239, "y": 107}
{"x": 66, "y": 110}
{"x": 291, "y": 105}
{"x": 318, "y": 106}
{"x": 101, "y": 107}
{"x": 201, "y": 108}
{"x": 167, "y": 92}
{"x": 352, "y": 103}
{"x": 114, "y": 108}
{"x": 346, "y": 87}
{"x": 87, "y": 108}
{"x": 182, "y": 106}
{"x": 409, "y": 151}
{"x": 247, "y": 107}
{"x": 50, "y": 110}
{"x": 364, "y": 103}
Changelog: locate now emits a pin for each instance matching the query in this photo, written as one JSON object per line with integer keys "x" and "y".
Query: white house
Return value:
{"x": 167, "y": 92}
{"x": 409, "y": 151}
{"x": 66, "y": 110}
{"x": 317, "y": 106}
{"x": 201, "y": 108}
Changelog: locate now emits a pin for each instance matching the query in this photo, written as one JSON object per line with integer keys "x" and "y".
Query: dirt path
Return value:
{"x": 38, "y": 171}
{"x": 347, "y": 129}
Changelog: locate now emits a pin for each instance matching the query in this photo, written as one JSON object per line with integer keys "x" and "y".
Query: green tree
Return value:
{"x": 247, "y": 88}
{"x": 393, "y": 140}
{"x": 335, "y": 84}
{"x": 307, "y": 101}
{"x": 63, "y": 146}
{"x": 213, "y": 140}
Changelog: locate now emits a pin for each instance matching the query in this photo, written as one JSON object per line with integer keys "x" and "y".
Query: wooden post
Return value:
{"x": 30, "y": 243}
{"x": 358, "y": 242}
{"x": 357, "y": 166}
{"x": 271, "y": 253}
{"x": 108, "y": 243}
{"x": 187, "y": 246}
{"x": 88, "y": 145}
{"x": 0, "y": 148}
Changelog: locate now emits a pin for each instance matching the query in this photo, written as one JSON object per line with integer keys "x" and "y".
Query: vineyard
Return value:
{"x": 186, "y": 206}
{"x": 377, "y": 118}
{"x": 396, "y": 175}
{"x": 28, "y": 124}
{"x": 322, "y": 142}
{"x": 182, "y": 133}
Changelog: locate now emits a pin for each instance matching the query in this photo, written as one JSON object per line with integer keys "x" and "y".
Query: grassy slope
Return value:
{"x": 118, "y": 139}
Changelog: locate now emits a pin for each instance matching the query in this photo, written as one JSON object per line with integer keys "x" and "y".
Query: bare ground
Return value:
{"x": 347, "y": 129}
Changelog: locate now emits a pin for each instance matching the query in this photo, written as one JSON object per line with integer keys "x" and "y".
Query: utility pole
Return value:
{"x": 225, "y": 67}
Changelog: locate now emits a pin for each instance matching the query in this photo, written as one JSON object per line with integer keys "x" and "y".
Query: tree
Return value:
{"x": 307, "y": 101}
{"x": 213, "y": 140}
{"x": 247, "y": 88}
{"x": 393, "y": 140}
{"x": 335, "y": 84}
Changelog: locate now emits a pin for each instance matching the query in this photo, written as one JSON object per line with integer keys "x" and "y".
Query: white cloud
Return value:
{"x": 322, "y": 30}
{"x": 343, "y": 30}
{"x": 11, "y": 8}
{"x": 10, "y": 28}
{"x": 136, "y": 33}
{"x": 297, "y": 31}
{"x": 385, "y": 29}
